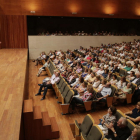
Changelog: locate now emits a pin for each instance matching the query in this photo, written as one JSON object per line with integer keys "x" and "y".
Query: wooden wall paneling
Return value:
{"x": 14, "y": 30}
{"x": 89, "y": 8}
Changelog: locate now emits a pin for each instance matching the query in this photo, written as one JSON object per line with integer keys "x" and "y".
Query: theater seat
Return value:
{"x": 95, "y": 133}
{"x": 85, "y": 127}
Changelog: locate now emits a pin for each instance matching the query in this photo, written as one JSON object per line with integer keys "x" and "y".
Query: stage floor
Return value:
{"x": 12, "y": 78}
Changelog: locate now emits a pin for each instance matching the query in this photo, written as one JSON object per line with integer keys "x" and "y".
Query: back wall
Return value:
{"x": 37, "y": 44}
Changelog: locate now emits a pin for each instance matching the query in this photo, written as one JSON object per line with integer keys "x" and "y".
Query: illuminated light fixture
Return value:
{"x": 32, "y": 12}
{"x": 111, "y": 14}
{"x": 74, "y": 13}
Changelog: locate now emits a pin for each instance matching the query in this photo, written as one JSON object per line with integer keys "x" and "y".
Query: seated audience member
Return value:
{"x": 131, "y": 77}
{"x": 135, "y": 135}
{"x": 91, "y": 78}
{"x": 60, "y": 65}
{"x": 113, "y": 81}
{"x": 93, "y": 67}
{"x": 47, "y": 64}
{"x": 70, "y": 77}
{"x": 131, "y": 61}
{"x": 122, "y": 93}
{"x": 128, "y": 67}
{"x": 110, "y": 68}
{"x": 89, "y": 57}
{"x": 56, "y": 61}
{"x": 134, "y": 115}
{"x": 107, "y": 119}
{"x": 96, "y": 60}
{"x": 101, "y": 71}
{"x": 53, "y": 56}
{"x": 41, "y": 57}
{"x": 79, "y": 69}
{"x": 115, "y": 69}
{"x": 88, "y": 75}
{"x": 81, "y": 89}
{"x": 135, "y": 69}
{"x": 119, "y": 130}
{"x": 80, "y": 81}
{"x": 73, "y": 64}
{"x": 122, "y": 83}
{"x": 97, "y": 68}
{"x": 85, "y": 73}
{"x": 104, "y": 92}
{"x": 89, "y": 65}
{"x": 70, "y": 61}
{"x": 74, "y": 81}
{"x": 48, "y": 84}
{"x": 63, "y": 74}
{"x": 96, "y": 82}
{"x": 135, "y": 97}
{"x": 92, "y": 58}
{"x": 123, "y": 65}
{"x": 105, "y": 74}
{"x": 77, "y": 56}
{"x": 82, "y": 98}
{"x": 109, "y": 76}
{"x": 119, "y": 64}
{"x": 106, "y": 65}
{"x": 103, "y": 83}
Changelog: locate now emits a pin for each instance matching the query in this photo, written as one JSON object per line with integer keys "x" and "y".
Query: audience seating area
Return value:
{"x": 115, "y": 68}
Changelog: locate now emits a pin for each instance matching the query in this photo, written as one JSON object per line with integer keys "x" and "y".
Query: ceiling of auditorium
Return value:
{"x": 84, "y": 8}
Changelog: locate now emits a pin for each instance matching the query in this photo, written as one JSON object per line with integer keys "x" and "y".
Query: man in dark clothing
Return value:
{"x": 119, "y": 131}
{"x": 134, "y": 115}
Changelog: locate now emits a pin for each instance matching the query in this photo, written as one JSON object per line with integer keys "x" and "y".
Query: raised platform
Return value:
{"x": 13, "y": 64}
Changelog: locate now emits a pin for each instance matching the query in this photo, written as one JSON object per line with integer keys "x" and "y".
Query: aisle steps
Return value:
{"x": 38, "y": 125}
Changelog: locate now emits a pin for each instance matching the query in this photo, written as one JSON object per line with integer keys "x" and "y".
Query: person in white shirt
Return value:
{"x": 103, "y": 83}
{"x": 88, "y": 75}
{"x": 41, "y": 57}
{"x": 48, "y": 85}
{"x": 104, "y": 92}
{"x": 113, "y": 81}
{"x": 135, "y": 69}
{"x": 47, "y": 64}
{"x": 122, "y": 83}
{"x": 101, "y": 71}
{"x": 96, "y": 82}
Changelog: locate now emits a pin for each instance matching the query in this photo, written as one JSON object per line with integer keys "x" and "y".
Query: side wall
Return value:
{"x": 14, "y": 31}
{"x": 37, "y": 44}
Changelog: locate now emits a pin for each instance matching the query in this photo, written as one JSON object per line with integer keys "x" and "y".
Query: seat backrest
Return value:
{"x": 133, "y": 87}
{"x": 119, "y": 114}
{"x": 60, "y": 83}
{"x": 95, "y": 133}
{"x": 131, "y": 125}
{"x": 122, "y": 72}
{"x": 118, "y": 78}
{"x": 63, "y": 87}
{"x": 86, "y": 125}
{"x": 68, "y": 97}
{"x": 66, "y": 90}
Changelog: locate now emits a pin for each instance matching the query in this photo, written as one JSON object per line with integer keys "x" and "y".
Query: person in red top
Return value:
{"x": 96, "y": 60}
{"x": 80, "y": 99}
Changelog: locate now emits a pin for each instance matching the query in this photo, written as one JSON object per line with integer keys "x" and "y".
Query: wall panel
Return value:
{"x": 37, "y": 44}
{"x": 14, "y": 31}
{"x": 84, "y": 8}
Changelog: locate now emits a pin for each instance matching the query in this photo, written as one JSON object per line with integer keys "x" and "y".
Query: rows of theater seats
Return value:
{"x": 88, "y": 130}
